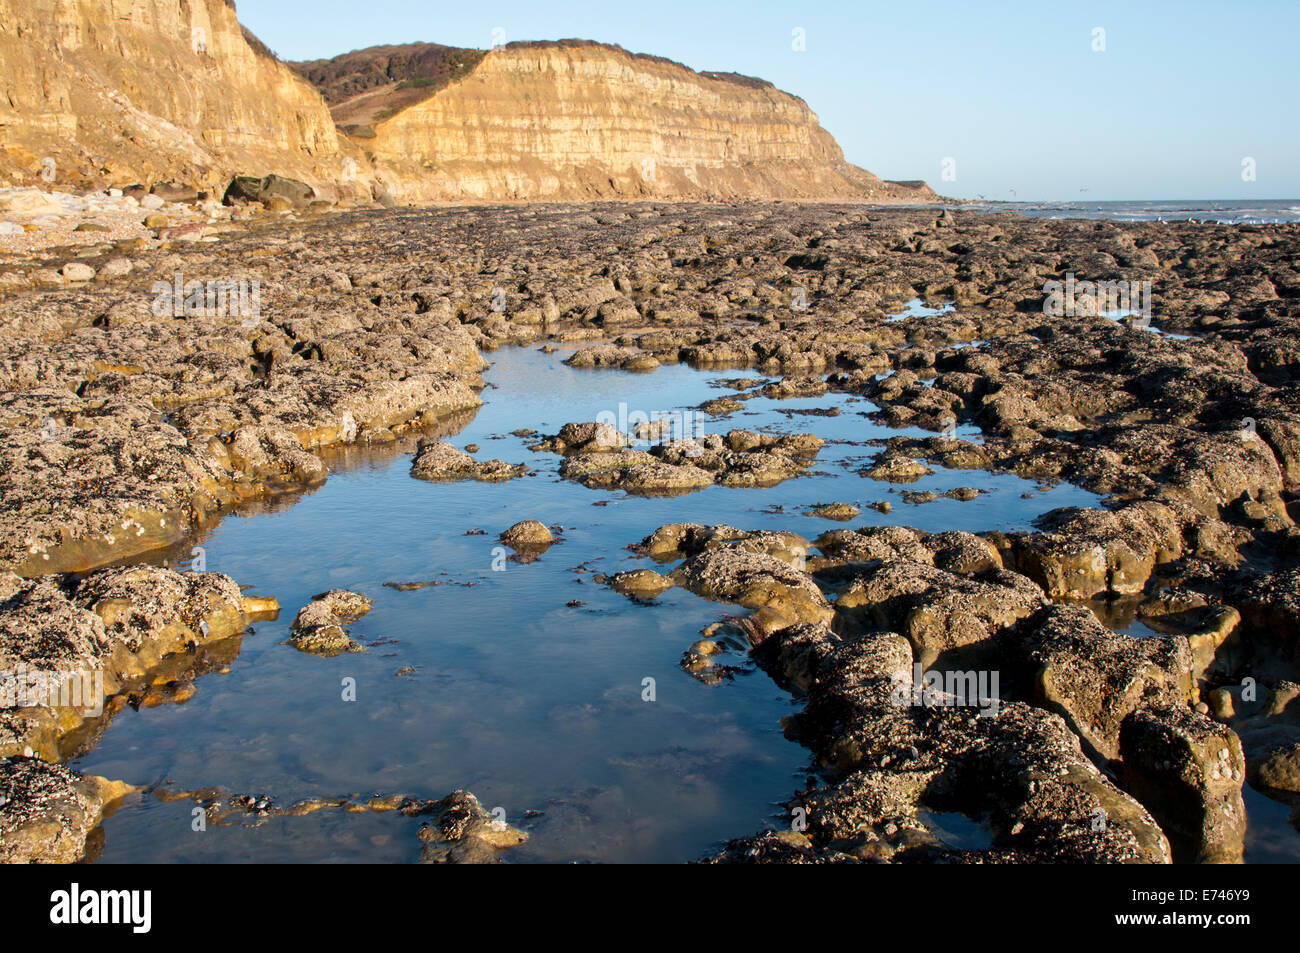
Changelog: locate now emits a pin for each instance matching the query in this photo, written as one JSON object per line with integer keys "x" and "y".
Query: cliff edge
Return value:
{"x": 100, "y": 93}
{"x": 97, "y": 92}
{"x": 578, "y": 120}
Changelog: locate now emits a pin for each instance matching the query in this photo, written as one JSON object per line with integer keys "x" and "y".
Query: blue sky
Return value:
{"x": 1013, "y": 93}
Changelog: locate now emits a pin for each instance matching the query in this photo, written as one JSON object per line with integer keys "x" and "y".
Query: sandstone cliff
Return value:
{"x": 95, "y": 93}
{"x": 580, "y": 120}
{"x": 120, "y": 91}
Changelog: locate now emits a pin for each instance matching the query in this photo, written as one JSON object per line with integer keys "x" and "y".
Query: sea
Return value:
{"x": 1221, "y": 212}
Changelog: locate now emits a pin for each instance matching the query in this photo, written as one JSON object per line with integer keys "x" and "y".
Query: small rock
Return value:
{"x": 835, "y": 511}
{"x": 318, "y": 628}
{"x": 641, "y": 583}
{"x": 115, "y": 268}
{"x": 526, "y": 534}
{"x": 439, "y": 460}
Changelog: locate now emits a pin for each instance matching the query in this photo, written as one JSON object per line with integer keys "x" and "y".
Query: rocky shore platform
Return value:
{"x": 149, "y": 385}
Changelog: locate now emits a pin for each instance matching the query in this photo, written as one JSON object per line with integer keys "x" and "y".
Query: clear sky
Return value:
{"x": 1014, "y": 93}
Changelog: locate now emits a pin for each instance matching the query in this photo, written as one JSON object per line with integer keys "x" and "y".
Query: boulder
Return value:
{"x": 78, "y": 271}
{"x": 171, "y": 192}
{"x": 48, "y": 811}
{"x": 247, "y": 188}
{"x": 640, "y": 583}
{"x": 1095, "y": 677}
{"x": 439, "y": 460}
{"x": 318, "y": 628}
{"x": 460, "y": 831}
{"x": 1188, "y": 772}
{"x": 528, "y": 534}
{"x": 28, "y": 203}
{"x": 780, "y": 595}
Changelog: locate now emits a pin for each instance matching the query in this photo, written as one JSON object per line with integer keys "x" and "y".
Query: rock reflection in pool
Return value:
{"x": 524, "y": 683}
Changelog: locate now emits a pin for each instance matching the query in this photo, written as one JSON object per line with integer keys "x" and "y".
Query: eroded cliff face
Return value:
{"x": 119, "y": 91}
{"x": 98, "y": 93}
{"x": 577, "y": 120}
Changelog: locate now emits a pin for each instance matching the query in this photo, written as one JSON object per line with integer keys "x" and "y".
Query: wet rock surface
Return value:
{"x": 73, "y": 650}
{"x": 1188, "y": 769}
{"x": 453, "y": 830}
{"x": 840, "y": 512}
{"x": 779, "y": 594}
{"x": 48, "y": 812}
{"x": 130, "y": 421}
{"x": 319, "y": 629}
{"x": 1017, "y": 767}
{"x": 600, "y": 457}
{"x": 442, "y": 461}
{"x": 461, "y": 832}
{"x": 640, "y": 583}
{"x": 965, "y": 689}
{"x": 1096, "y": 678}
{"x": 1268, "y": 722}
{"x": 528, "y": 534}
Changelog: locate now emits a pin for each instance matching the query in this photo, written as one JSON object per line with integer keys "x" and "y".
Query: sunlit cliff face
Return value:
{"x": 151, "y": 90}
{"x": 114, "y": 93}
{"x": 576, "y": 122}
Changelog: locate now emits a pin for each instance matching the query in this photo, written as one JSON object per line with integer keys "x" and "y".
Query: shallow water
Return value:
{"x": 1221, "y": 212}
{"x": 1119, "y": 316}
{"x": 916, "y": 308}
{"x": 531, "y": 703}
